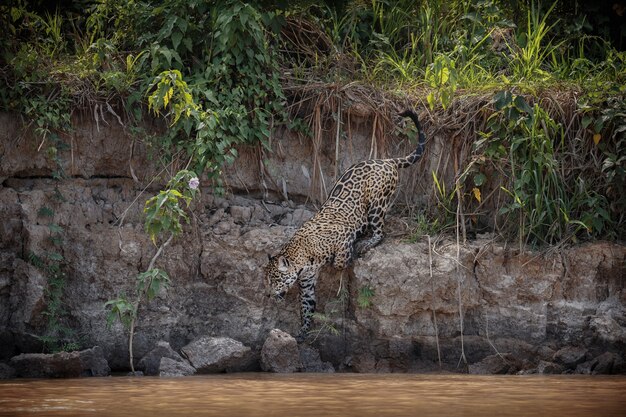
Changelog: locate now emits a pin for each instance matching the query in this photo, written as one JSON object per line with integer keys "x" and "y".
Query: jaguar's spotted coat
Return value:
{"x": 358, "y": 201}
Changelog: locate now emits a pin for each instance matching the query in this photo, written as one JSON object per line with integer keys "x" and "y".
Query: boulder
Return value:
{"x": 150, "y": 363}
{"x": 6, "y": 372}
{"x": 169, "y": 367}
{"x": 495, "y": 365}
{"x": 218, "y": 354}
{"x": 42, "y": 365}
{"x": 570, "y": 356}
{"x": 89, "y": 362}
{"x": 608, "y": 363}
{"x": 586, "y": 368}
{"x": 311, "y": 361}
{"x": 93, "y": 362}
{"x": 545, "y": 367}
{"x": 280, "y": 353}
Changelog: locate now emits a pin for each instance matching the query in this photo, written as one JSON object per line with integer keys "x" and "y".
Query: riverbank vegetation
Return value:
{"x": 529, "y": 95}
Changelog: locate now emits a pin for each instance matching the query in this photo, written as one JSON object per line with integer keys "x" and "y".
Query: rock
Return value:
{"x": 218, "y": 354}
{"x": 608, "y": 330}
{"x": 549, "y": 368}
{"x": 311, "y": 361}
{"x": 608, "y": 363}
{"x": 586, "y": 368}
{"x": 169, "y": 367}
{"x": 364, "y": 363}
{"x": 42, "y": 365}
{"x": 150, "y": 363}
{"x": 215, "y": 217}
{"x": 88, "y": 362}
{"x": 241, "y": 215}
{"x": 93, "y": 362}
{"x": 570, "y": 356}
{"x": 495, "y": 365}
{"x": 280, "y": 353}
{"x": 299, "y": 216}
{"x": 6, "y": 372}
{"x": 544, "y": 352}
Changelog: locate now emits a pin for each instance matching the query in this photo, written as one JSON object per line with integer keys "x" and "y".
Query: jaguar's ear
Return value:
{"x": 269, "y": 257}
{"x": 283, "y": 264}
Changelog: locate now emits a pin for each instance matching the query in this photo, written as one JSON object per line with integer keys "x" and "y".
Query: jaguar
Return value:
{"x": 348, "y": 224}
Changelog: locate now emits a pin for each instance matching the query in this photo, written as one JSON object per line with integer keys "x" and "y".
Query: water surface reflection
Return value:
{"x": 317, "y": 395}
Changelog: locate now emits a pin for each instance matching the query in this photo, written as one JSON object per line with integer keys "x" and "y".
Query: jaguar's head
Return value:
{"x": 280, "y": 275}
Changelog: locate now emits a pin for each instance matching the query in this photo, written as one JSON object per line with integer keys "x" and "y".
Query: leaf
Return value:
{"x": 176, "y": 38}
{"x": 596, "y": 138}
{"x": 188, "y": 44}
{"x": 56, "y": 257}
{"x": 476, "y": 193}
{"x": 502, "y": 99}
{"x": 521, "y": 104}
{"x": 55, "y": 228}
{"x": 431, "y": 100}
{"x": 479, "y": 179}
{"x": 45, "y": 212}
{"x": 168, "y": 55}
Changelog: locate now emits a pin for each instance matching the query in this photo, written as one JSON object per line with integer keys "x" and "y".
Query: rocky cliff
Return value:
{"x": 404, "y": 306}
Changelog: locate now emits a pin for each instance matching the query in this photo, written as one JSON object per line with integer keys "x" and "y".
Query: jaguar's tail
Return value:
{"x": 417, "y": 153}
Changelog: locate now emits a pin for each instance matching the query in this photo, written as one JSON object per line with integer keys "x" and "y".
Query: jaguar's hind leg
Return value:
{"x": 344, "y": 257}
{"x": 376, "y": 222}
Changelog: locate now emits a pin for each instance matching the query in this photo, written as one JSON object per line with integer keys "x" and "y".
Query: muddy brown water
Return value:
{"x": 317, "y": 395}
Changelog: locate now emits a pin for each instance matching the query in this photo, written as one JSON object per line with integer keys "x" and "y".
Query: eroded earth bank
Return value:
{"x": 405, "y": 306}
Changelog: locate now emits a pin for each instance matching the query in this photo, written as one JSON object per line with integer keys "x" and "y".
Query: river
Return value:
{"x": 317, "y": 395}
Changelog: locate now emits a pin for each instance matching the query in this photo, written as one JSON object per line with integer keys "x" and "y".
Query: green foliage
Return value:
{"x": 548, "y": 203}
{"x": 442, "y": 77}
{"x": 151, "y": 281}
{"x": 169, "y": 89}
{"x": 535, "y": 47}
{"x": 215, "y": 71}
{"x": 229, "y": 100}
{"x": 426, "y": 225}
{"x": 205, "y": 66}
{"x": 364, "y": 298}
{"x": 326, "y": 324}
{"x": 120, "y": 309}
{"x": 164, "y": 212}
{"x": 446, "y": 205}
{"x": 163, "y": 215}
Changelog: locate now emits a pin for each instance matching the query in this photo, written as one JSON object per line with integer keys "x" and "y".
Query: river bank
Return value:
{"x": 428, "y": 303}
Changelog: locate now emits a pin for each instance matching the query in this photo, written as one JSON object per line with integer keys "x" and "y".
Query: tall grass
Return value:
{"x": 536, "y": 47}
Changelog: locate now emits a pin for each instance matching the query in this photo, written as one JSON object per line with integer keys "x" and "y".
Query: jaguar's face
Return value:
{"x": 279, "y": 276}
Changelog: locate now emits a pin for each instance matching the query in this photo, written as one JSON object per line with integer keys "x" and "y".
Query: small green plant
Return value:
{"x": 364, "y": 298}
{"x": 426, "y": 226}
{"x": 163, "y": 216}
{"x": 326, "y": 324}
{"x": 442, "y": 77}
{"x": 446, "y": 205}
{"x": 164, "y": 212}
{"x": 335, "y": 308}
